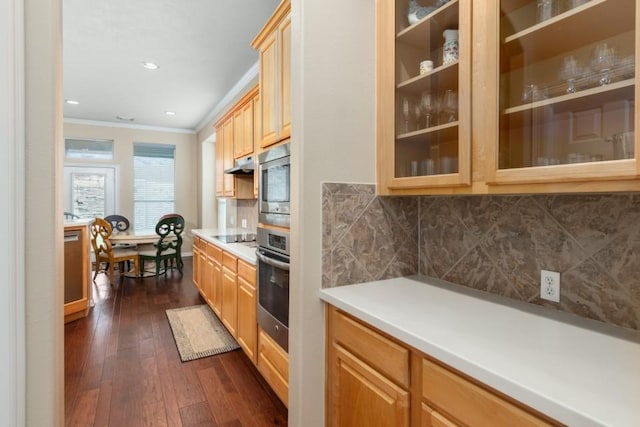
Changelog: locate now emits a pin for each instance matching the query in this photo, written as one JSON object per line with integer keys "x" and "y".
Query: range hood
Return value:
{"x": 244, "y": 165}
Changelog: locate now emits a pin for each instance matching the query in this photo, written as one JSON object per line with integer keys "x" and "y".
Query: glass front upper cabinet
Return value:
{"x": 566, "y": 91}
{"x": 423, "y": 88}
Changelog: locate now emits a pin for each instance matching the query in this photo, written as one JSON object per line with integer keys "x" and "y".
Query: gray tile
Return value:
{"x": 346, "y": 269}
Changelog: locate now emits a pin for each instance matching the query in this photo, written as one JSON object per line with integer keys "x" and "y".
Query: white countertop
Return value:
{"x": 78, "y": 221}
{"x": 240, "y": 250}
{"x": 577, "y": 371}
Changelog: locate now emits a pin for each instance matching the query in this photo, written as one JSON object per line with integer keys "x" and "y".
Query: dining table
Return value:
{"x": 135, "y": 239}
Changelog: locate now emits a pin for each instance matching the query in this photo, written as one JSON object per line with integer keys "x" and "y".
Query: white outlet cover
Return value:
{"x": 550, "y": 285}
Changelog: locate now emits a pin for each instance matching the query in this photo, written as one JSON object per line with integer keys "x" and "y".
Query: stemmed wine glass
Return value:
{"x": 405, "y": 113}
{"x": 450, "y": 105}
{"x": 428, "y": 106}
{"x": 569, "y": 73}
{"x": 602, "y": 62}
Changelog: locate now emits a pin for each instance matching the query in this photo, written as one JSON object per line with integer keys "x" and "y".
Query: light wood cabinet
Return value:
{"x": 215, "y": 300}
{"x": 274, "y": 46}
{"x": 273, "y": 364}
{"x": 230, "y": 293}
{"x": 374, "y": 380}
{"x": 235, "y": 138}
{"x": 424, "y": 119}
{"x": 565, "y": 92}
{"x": 77, "y": 272}
{"x": 368, "y": 376}
{"x": 247, "y": 310}
{"x": 541, "y": 110}
{"x": 196, "y": 262}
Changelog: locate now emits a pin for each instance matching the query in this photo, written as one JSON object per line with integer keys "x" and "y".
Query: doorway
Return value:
{"x": 90, "y": 191}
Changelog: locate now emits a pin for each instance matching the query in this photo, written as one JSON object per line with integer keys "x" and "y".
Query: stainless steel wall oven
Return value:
{"x": 273, "y": 284}
{"x": 274, "y": 189}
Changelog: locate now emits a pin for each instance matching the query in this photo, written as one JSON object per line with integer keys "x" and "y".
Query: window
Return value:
{"x": 154, "y": 184}
{"x": 90, "y": 191}
{"x": 94, "y": 149}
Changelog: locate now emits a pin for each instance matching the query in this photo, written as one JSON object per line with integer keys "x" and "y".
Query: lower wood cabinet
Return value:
{"x": 247, "y": 316}
{"x": 273, "y": 364}
{"x": 374, "y": 380}
{"x": 77, "y": 272}
{"x": 230, "y": 293}
{"x": 228, "y": 285}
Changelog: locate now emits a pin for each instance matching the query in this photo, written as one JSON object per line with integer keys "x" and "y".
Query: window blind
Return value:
{"x": 88, "y": 149}
{"x": 154, "y": 184}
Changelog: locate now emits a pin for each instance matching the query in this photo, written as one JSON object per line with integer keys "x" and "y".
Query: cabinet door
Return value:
{"x": 248, "y": 128}
{"x": 208, "y": 282}
{"x": 284, "y": 36}
{"x": 564, "y": 80}
{"x": 216, "y": 288}
{"x": 219, "y": 161}
{"x": 257, "y": 134}
{"x": 268, "y": 90}
{"x": 361, "y": 396}
{"x": 424, "y": 116}
{"x": 247, "y": 322}
{"x": 432, "y": 418}
{"x": 196, "y": 264}
{"x": 229, "y": 182}
{"x": 230, "y": 301}
{"x": 273, "y": 364}
{"x": 238, "y": 134}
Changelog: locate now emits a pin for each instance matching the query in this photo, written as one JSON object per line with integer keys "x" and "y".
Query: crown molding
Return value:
{"x": 128, "y": 126}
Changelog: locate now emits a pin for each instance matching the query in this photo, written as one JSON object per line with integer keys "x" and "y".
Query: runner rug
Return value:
{"x": 198, "y": 332}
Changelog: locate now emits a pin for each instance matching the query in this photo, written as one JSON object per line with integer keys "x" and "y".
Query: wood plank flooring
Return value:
{"x": 122, "y": 366}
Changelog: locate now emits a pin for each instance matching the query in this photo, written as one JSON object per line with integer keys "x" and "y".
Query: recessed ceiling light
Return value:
{"x": 125, "y": 119}
{"x": 71, "y": 101}
{"x": 150, "y": 65}
{"x": 170, "y": 113}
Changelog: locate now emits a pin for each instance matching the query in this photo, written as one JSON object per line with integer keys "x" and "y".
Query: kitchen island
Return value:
{"x": 77, "y": 269}
{"x": 573, "y": 370}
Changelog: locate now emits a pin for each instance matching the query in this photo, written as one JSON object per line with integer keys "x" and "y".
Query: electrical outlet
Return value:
{"x": 244, "y": 223}
{"x": 550, "y": 285}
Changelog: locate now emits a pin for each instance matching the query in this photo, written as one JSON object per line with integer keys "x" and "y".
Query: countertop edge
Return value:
{"x": 537, "y": 400}
{"x": 205, "y": 234}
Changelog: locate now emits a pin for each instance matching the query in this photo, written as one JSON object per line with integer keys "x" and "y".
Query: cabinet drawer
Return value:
{"x": 273, "y": 364}
{"x": 214, "y": 252}
{"x": 388, "y": 357}
{"x": 470, "y": 403}
{"x": 247, "y": 272}
{"x": 229, "y": 261}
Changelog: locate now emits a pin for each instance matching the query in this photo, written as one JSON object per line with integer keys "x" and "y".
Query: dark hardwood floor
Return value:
{"x": 122, "y": 366}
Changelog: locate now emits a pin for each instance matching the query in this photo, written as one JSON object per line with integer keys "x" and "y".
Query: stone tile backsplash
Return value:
{"x": 497, "y": 244}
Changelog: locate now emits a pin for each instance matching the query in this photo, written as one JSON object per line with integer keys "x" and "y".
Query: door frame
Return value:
{"x": 116, "y": 181}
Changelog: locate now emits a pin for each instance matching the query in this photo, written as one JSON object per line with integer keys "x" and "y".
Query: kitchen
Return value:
{"x": 343, "y": 60}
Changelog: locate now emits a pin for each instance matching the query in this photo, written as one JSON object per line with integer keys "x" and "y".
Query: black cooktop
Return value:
{"x": 236, "y": 238}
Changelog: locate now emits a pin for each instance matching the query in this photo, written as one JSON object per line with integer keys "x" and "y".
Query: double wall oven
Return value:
{"x": 274, "y": 191}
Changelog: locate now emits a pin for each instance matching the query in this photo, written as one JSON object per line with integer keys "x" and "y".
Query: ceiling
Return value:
{"x": 201, "y": 46}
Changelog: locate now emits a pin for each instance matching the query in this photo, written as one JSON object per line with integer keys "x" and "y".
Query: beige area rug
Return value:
{"x": 198, "y": 332}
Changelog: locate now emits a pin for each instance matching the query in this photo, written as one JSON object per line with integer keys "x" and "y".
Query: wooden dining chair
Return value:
{"x": 104, "y": 252}
{"x": 169, "y": 245}
{"x": 120, "y": 225}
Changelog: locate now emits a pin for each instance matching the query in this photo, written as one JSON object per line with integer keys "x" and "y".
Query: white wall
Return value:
{"x": 43, "y": 205}
{"x": 12, "y": 304}
{"x": 186, "y": 158}
{"x": 333, "y": 119}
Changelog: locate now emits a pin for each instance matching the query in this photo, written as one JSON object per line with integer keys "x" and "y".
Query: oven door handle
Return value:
{"x": 272, "y": 262}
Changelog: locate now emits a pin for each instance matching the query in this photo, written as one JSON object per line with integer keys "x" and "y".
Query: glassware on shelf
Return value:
{"x": 450, "y": 48}
{"x": 405, "y": 113}
{"x": 428, "y": 106}
{"x": 533, "y": 92}
{"x": 602, "y": 62}
{"x": 450, "y": 106}
{"x": 569, "y": 72}
{"x": 576, "y": 3}
{"x": 546, "y": 9}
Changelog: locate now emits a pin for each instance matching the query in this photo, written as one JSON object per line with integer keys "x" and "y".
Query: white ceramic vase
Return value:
{"x": 450, "y": 48}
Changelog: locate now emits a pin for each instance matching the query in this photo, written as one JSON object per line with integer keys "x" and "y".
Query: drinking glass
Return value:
{"x": 602, "y": 62}
{"x": 428, "y": 106}
{"x": 405, "y": 113}
{"x": 450, "y": 105}
{"x": 569, "y": 73}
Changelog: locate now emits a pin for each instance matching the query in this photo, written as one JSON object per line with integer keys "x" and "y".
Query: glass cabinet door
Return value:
{"x": 424, "y": 79}
{"x": 566, "y": 90}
